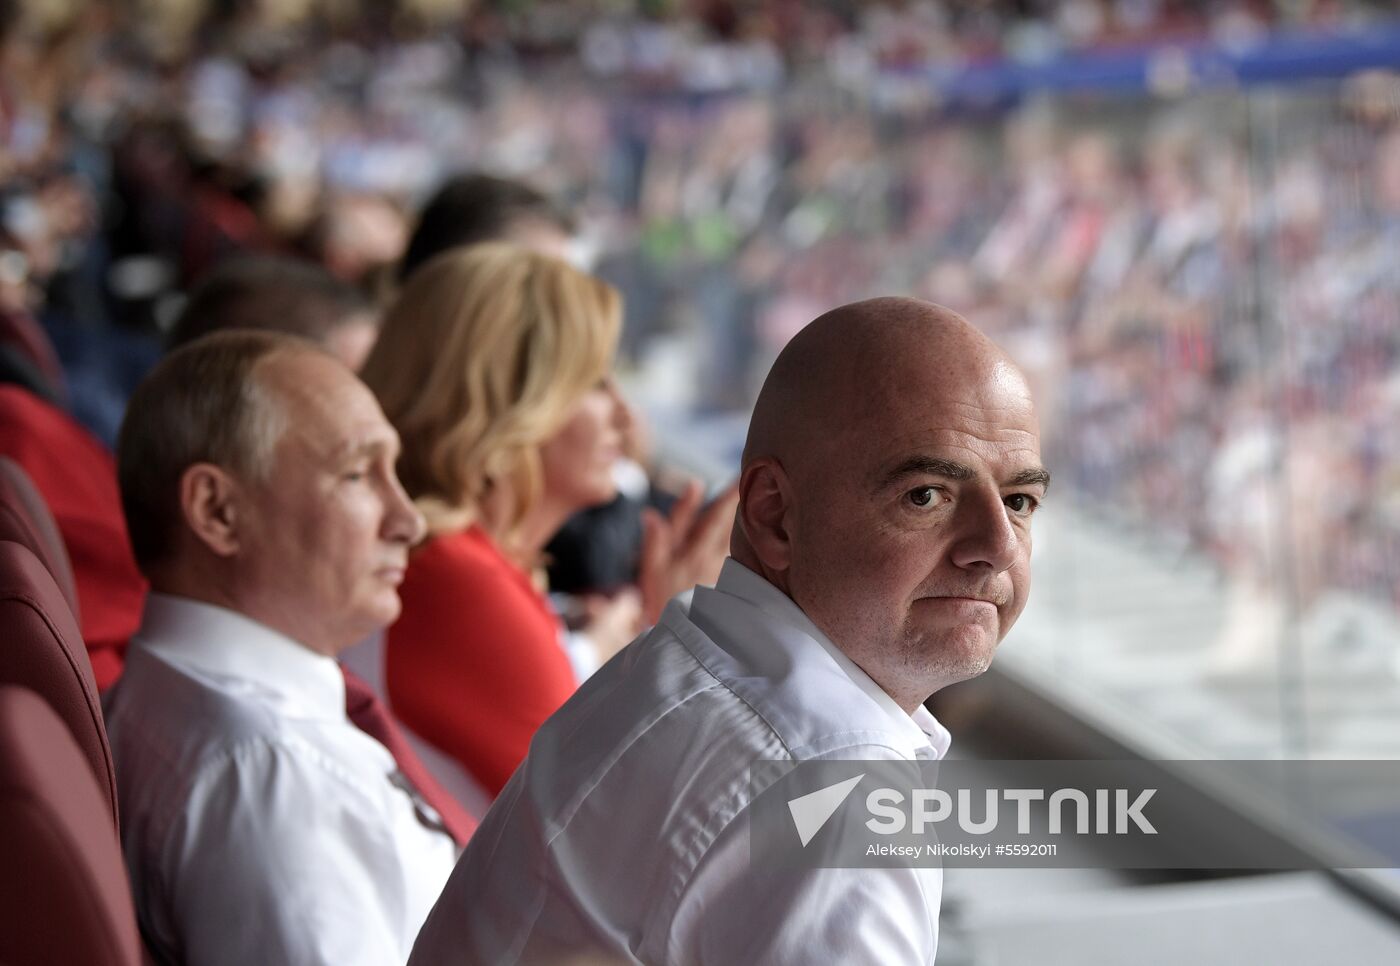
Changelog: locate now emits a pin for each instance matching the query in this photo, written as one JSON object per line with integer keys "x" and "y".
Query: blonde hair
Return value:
{"x": 479, "y": 362}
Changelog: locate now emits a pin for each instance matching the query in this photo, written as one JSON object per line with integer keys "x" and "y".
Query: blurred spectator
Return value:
{"x": 77, "y": 478}
{"x": 280, "y": 294}
{"x": 475, "y": 208}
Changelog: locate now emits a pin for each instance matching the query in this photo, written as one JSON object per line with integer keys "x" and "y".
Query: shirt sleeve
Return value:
{"x": 475, "y": 665}
{"x": 787, "y": 917}
{"x": 271, "y": 862}
{"x": 739, "y": 905}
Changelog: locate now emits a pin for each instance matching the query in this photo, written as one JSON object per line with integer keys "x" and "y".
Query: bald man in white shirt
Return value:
{"x": 881, "y": 552}
{"x": 259, "y": 825}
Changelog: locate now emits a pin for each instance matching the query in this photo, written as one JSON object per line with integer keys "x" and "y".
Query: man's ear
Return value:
{"x": 209, "y": 502}
{"x": 765, "y": 503}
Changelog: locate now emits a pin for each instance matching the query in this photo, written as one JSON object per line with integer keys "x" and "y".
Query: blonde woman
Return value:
{"x": 495, "y": 367}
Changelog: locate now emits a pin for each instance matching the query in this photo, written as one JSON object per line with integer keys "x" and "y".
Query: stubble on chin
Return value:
{"x": 953, "y": 655}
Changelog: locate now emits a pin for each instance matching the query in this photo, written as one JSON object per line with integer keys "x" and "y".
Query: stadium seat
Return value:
{"x": 25, "y": 519}
{"x": 42, "y": 650}
{"x": 34, "y": 359}
{"x": 64, "y": 896}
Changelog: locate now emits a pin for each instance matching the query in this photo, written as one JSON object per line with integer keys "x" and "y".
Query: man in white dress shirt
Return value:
{"x": 258, "y": 824}
{"x": 881, "y": 552}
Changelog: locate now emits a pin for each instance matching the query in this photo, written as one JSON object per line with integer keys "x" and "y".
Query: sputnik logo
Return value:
{"x": 812, "y": 811}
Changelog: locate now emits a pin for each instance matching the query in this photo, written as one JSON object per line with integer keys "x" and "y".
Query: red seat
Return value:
{"x": 25, "y": 519}
{"x": 64, "y": 895}
{"x": 42, "y": 651}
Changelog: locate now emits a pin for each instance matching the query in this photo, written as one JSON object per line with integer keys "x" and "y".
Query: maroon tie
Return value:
{"x": 368, "y": 713}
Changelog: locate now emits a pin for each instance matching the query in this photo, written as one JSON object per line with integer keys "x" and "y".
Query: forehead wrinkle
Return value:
{"x": 990, "y": 439}
{"x": 1009, "y": 453}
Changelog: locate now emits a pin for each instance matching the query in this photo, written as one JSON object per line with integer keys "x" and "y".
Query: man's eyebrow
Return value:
{"x": 927, "y": 466}
{"x": 1037, "y": 476}
{"x": 953, "y": 470}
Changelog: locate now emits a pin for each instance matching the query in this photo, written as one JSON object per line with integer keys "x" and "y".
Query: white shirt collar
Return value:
{"x": 239, "y": 654}
{"x": 922, "y": 728}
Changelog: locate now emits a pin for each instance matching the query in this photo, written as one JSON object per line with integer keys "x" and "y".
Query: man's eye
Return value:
{"x": 354, "y": 476}
{"x": 1022, "y": 504}
{"x": 923, "y": 496}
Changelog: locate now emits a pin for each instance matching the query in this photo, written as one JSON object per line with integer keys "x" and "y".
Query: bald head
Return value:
{"x": 890, "y": 472}
{"x": 850, "y": 369}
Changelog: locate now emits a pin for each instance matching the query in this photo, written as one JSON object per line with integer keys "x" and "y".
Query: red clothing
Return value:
{"x": 21, "y": 330}
{"x": 369, "y": 714}
{"x": 78, "y": 480}
{"x": 474, "y": 665}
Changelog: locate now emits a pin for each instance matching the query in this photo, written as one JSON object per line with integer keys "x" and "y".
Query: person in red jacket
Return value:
{"x": 77, "y": 478}
{"x": 495, "y": 367}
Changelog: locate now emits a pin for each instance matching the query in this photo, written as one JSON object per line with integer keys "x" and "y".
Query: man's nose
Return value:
{"x": 402, "y": 520}
{"x": 986, "y": 539}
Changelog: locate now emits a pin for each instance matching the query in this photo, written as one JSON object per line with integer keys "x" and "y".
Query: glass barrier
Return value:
{"x": 1205, "y": 293}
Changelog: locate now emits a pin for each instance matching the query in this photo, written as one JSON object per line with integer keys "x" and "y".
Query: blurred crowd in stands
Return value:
{"x": 1203, "y": 289}
{"x": 536, "y": 229}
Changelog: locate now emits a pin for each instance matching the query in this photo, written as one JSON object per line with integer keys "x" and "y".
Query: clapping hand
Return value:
{"x": 686, "y": 547}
